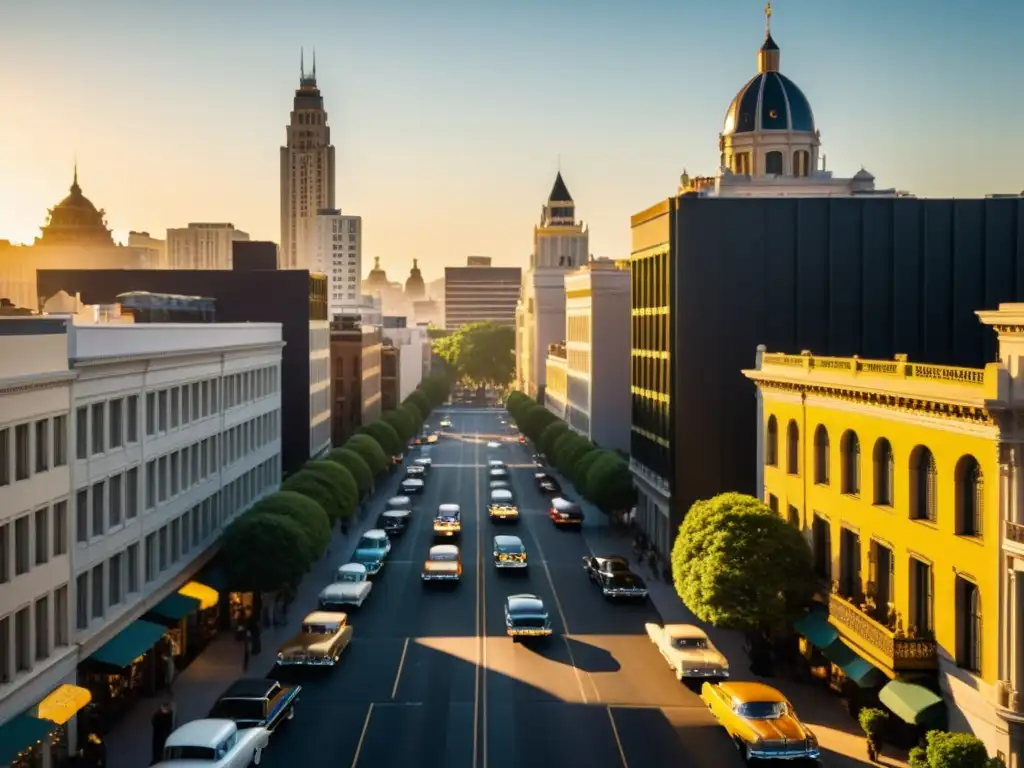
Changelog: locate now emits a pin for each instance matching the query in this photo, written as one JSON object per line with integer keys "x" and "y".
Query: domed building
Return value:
{"x": 75, "y": 221}
{"x": 415, "y": 288}
{"x": 377, "y": 281}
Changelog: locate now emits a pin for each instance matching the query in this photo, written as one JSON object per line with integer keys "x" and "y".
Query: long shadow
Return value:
{"x": 569, "y": 650}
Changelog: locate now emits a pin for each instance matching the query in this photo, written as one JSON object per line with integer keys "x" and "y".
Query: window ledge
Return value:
{"x": 883, "y": 507}
{"x": 852, "y": 494}
{"x": 972, "y": 537}
{"x": 925, "y": 522}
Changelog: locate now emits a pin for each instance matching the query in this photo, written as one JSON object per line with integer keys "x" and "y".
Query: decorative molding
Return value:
{"x": 24, "y": 384}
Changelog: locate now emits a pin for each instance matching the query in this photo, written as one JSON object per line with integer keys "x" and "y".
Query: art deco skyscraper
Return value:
{"x": 307, "y": 168}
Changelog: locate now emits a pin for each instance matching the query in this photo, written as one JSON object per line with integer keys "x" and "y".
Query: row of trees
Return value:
{"x": 600, "y": 475}
{"x": 481, "y": 354}
{"x": 272, "y": 545}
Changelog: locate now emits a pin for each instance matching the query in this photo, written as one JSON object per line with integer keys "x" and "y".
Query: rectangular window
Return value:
{"x": 132, "y": 413}
{"x": 42, "y": 445}
{"x": 161, "y": 479}
{"x": 186, "y": 532}
{"x": 82, "y": 516}
{"x": 42, "y": 535}
{"x": 22, "y": 641}
{"x": 194, "y": 460}
{"x": 60, "y": 441}
{"x": 21, "y": 546}
{"x": 133, "y": 569}
{"x": 82, "y": 432}
{"x": 195, "y": 526}
{"x": 21, "y": 452}
{"x": 98, "y": 428}
{"x": 206, "y": 398}
{"x": 161, "y": 410}
{"x": 195, "y": 401}
{"x": 175, "y": 472}
{"x": 42, "y": 628}
{"x": 116, "y": 423}
{"x": 131, "y": 494}
{"x": 115, "y": 491}
{"x": 5, "y": 457}
{"x": 5, "y": 650}
{"x": 97, "y": 592}
{"x": 150, "y": 557}
{"x": 175, "y": 540}
{"x": 175, "y": 407}
{"x": 82, "y": 600}
{"x": 213, "y": 395}
{"x": 204, "y": 460}
{"x": 114, "y": 577}
{"x": 5, "y": 553}
{"x": 185, "y": 412}
{"x": 151, "y": 413}
{"x": 163, "y": 548}
{"x": 60, "y": 528}
{"x": 151, "y": 484}
{"x": 61, "y": 636}
{"x": 98, "y": 508}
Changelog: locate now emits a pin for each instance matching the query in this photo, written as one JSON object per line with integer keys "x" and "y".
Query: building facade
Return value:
{"x": 901, "y": 477}
{"x": 249, "y": 255}
{"x": 333, "y": 246}
{"x": 389, "y": 376}
{"x": 307, "y": 167}
{"x": 560, "y": 244}
{"x": 413, "y": 350}
{"x": 202, "y": 246}
{"x": 591, "y": 392}
{"x": 478, "y": 294}
{"x": 156, "y": 247}
{"x": 356, "y": 376}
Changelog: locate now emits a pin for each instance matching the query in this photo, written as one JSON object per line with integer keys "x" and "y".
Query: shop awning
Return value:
{"x": 63, "y": 703}
{"x": 20, "y": 733}
{"x": 913, "y": 704}
{"x": 133, "y": 641}
{"x": 208, "y": 597}
{"x": 861, "y": 672}
{"x": 175, "y": 607}
{"x": 815, "y": 627}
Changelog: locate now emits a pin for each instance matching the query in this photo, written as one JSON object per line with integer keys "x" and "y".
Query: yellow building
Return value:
{"x": 898, "y": 473}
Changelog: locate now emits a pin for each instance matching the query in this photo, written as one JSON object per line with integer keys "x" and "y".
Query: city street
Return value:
{"x": 431, "y": 678}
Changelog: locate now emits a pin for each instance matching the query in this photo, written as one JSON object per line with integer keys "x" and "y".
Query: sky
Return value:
{"x": 451, "y": 117}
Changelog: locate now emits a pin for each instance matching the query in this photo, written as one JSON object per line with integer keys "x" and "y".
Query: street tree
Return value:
{"x": 420, "y": 402}
{"x": 550, "y": 434}
{"x": 340, "y": 481}
{"x": 736, "y": 564}
{"x": 513, "y": 400}
{"x": 952, "y": 750}
{"x": 264, "y": 553}
{"x": 386, "y": 435}
{"x": 481, "y": 353}
{"x": 371, "y": 452}
{"x": 609, "y": 483}
{"x": 569, "y": 449}
{"x": 306, "y": 483}
{"x": 304, "y": 511}
{"x": 583, "y": 465}
{"x": 534, "y": 420}
{"x": 400, "y": 422}
{"x": 412, "y": 415}
{"x": 436, "y": 387}
{"x": 356, "y": 466}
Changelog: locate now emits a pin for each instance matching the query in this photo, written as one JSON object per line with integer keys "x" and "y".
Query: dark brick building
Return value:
{"x": 356, "y": 363}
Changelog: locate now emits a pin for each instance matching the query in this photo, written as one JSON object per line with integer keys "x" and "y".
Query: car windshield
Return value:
{"x": 351, "y": 577}
{"x": 319, "y": 629}
{"x": 511, "y": 549}
{"x": 444, "y": 557}
{"x": 762, "y": 710}
{"x": 189, "y": 753}
{"x": 689, "y": 643}
{"x": 612, "y": 566}
{"x": 238, "y": 709}
{"x": 370, "y": 542}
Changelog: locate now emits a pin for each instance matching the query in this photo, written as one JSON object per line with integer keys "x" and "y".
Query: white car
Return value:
{"x": 214, "y": 744}
{"x": 351, "y": 587}
{"x": 493, "y": 444}
{"x": 412, "y": 485}
{"x": 446, "y": 423}
{"x": 688, "y": 651}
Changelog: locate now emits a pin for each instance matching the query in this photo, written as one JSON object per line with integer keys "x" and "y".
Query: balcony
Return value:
{"x": 557, "y": 350}
{"x": 1013, "y": 537}
{"x": 890, "y": 649}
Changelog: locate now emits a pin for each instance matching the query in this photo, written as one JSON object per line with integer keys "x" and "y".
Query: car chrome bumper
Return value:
{"x": 504, "y": 515}
{"x": 510, "y": 563}
{"x": 787, "y": 754}
{"x": 317, "y": 662}
{"x": 706, "y": 673}
{"x": 637, "y": 593}
{"x": 447, "y": 531}
{"x": 513, "y": 632}
{"x": 440, "y": 577}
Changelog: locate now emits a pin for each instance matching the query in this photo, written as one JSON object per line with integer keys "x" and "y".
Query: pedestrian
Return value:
{"x": 246, "y": 637}
{"x": 170, "y": 670}
{"x": 255, "y": 641}
{"x": 163, "y": 726}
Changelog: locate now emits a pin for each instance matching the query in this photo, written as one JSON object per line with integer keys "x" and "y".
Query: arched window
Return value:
{"x": 968, "y": 609}
{"x": 923, "y": 485}
{"x": 821, "y": 457}
{"x": 885, "y": 473}
{"x": 850, "y": 448}
{"x": 793, "y": 448}
{"x": 773, "y": 163}
{"x": 771, "y": 443}
{"x": 970, "y": 492}
{"x": 802, "y": 163}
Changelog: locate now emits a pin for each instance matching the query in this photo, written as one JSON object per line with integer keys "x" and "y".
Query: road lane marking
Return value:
{"x": 615, "y": 733}
{"x": 477, "y": 619}
{"x": 362, "y": 736}
{"x": 483, "y": 614}
{"x": 401, "y": 663}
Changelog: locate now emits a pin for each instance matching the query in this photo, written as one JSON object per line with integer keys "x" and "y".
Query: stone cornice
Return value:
{"x": 35, "y": 382}
{"x": 216, "y": 352}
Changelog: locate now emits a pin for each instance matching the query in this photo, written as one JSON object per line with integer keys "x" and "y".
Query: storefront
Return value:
{"x": 173, "y": 612}
{"x": 39, "y": 738}
{"x": 202, "y": 624}
{"x": 234, "y": 608}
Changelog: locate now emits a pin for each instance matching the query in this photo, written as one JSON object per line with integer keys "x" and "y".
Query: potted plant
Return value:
{"x": 872, "y": 721}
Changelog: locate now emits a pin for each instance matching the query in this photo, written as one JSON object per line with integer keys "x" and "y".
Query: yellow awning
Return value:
{"x": 207, "y": 596}
{"x": 63, "y": 703}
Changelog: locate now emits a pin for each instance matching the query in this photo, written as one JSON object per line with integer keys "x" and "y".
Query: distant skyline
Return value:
{"x": 449, "y": 118}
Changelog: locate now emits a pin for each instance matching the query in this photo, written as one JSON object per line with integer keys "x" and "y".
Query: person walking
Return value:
{"x": 163, "y": 726}
{"x": 246, "y": 638}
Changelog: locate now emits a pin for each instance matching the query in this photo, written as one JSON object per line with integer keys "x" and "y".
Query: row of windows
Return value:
{"x": 650, "y": 453}
{"x": 650, "y": 281}
{"x": 319, "y": 369}
{"x": 650, "y": 332}
{"x": 32, "y": 448}
{"x": 36, "y": 537}
{"x": 319, "y": 401}
{"x": 577, "y": 328}
{"x": 923, "y": 498}
{"x": 651, "y": 373}
{"x": 31, "y": 634}
{"x": 578, "y": 360}
{"x": 111, "y": 583}
{"x": 556, "y": 380}
{"x": 319, "y": 339}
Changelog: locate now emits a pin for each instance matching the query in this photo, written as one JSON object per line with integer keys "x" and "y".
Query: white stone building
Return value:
{"x": 587, "y": 381}
{"x": 413, "y": 357}
{"x": 560, "y": 244}
{"x": 332, "y": 245}
{"x": 202, "y": 246}
{"x": 319, "y": 388}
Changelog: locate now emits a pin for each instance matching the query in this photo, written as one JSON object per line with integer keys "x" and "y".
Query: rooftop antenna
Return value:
{"x": 302, "y": 63}
{"x": 314, "y": 63}
{"x": 768, "y": 20}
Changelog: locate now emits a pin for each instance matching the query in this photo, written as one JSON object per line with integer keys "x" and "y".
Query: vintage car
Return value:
{"x": 546, "y": 483}
{"x": 688, "y": 651}
{"x": 424, "y": 461}
{"x": 448, "y": 521}
{"x": 497, "y": 473}
{"x": 522, "y": 439}
{"x": 254, "y": 702}
{"x": 397, "y": 459}
{"x": 351, "y": 586}
{"x": 444, "y": 563}
{"x": 398, "y": 502}
{"x": 412, "y": 485}
{"x": 494, "y": 484}
{"x": 761, "y": 721}
{"x": 526, "y": 616}
{"x": 540, "y": 460}
{"x": 509, "y": 552}
{"x": 492, "y": 444}
{"x": 372, "y": 549}
{"x": 496, "y": 464}
{"x": 612, "y": 574}
{"x": 214, "y": 743}
{"x": 319, "y": 643}
{"x": 431, "y": 440}
{"x": 565, "y": 513}
{"x": 502, "y": 506}
{"x": 446, "y": 424}
{"x": 394, "y": 521}
{"x": 415, "y": 471}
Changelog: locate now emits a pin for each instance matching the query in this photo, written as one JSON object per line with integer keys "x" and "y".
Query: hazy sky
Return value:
{"x": 449, "y": 116}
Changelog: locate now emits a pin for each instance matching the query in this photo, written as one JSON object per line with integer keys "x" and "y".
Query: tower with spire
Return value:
{"x": 307, "y": 167}
{"x": 415, "y": 288}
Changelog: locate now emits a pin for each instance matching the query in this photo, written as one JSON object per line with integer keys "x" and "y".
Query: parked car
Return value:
{"x": 394, "y": 521}
{"x": 398, "y": 502}
{"x": 319, "y": 642}
{"x": 448, "y": 521}
{"x": 547, "y": 484}
{"x": 688, "y": 651}
{"x": 412, "y": 485}
{"x": 613, "y": 575}
{"x": 214, "y": 743}
{"x": 351, "y": 586}
{"x": 565, "y": 513}
{"x": 257, "y": 703}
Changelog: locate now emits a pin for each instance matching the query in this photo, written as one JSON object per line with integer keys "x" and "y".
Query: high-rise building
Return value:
{"x": 307, "y": 167}
{"x": 475, "y": 294}
{"x": 202, "y": 246}
{"x": 157, "y": 247}
{"x": 333, "y": 245}
{"x": 560, "y": 244}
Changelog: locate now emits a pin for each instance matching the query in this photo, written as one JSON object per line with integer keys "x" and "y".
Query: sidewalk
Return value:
{"x": 129, "y": 744}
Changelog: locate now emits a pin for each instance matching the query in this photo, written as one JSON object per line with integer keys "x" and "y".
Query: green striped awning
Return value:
{"x": 175, "y": 607}
{"x": 913, "y": 704}
{"x": 857, "y": 669}
{"x": 21, "y": 732}
{"x": 130, "y": 643}
{"x": 815, "y": 627}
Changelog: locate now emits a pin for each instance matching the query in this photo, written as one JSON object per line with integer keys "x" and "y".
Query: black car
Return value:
{"x": 613, "y": 575}
{"x": 417, "y": 471}
{"x": 257, "y": 703}
{"x": 394, "y": 521}
{"x": 540, "y": 460}
{"x": 547, "y": 484}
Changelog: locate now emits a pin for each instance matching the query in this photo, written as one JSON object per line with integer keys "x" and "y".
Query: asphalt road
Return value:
{"x": 431, "y": 679}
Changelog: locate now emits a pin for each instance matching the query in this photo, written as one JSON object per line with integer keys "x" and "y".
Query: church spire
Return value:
{"x": 74, "y": 178}
{"x": 768, "y": 54}
{"x": 302, "y": 63}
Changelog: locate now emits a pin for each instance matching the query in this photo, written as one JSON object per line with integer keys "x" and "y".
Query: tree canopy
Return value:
{"x": 515, "y": 401}
{"x": 583, "y": 465}
{"x": 304, "y": 511}
{"x": 483, "y": 354}
{"x": 570, "y": 448}
{"x": 340, "y": 481}
{"x": 264, "y": 553}
{"x": 418, "y": 400}
{"x": 307, "y": 484}
{"x": 609, "y": 482}
{"x": 371, "y": 452}
{"x": 550, "y": 434}
{"x": 356, "y": 466}
{"x": 436, "y": 387}
{"x": 737, "y": 564}
{"x": 412, "y": 415}
{"x": 401, "y": 421}
{"x": 386, "y": 436}
{"x": 952, "y": 750}
{"x": 534, "y": 420}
